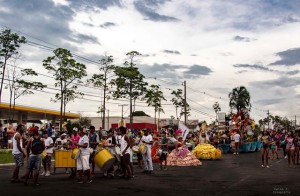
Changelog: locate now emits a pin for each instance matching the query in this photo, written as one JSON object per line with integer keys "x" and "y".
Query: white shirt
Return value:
{"x": 15, "y": 149}
{"x": 83, "y": 140}
{"x": 124, "y": 145}
{"x": 147, "y": 139}
{"x": 236, "y": 137}
{"x": 62, "y": 142}
{"x": 48, "y": 142}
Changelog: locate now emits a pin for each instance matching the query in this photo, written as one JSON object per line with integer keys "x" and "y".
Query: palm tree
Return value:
{"x": 240, "y": 99}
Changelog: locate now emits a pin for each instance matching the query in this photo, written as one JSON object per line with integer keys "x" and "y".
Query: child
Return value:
{"x": 164, "y": 150}
{"x": 274, "y": 148}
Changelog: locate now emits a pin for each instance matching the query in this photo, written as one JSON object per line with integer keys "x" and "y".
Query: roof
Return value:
{"x": 39, "y": 110}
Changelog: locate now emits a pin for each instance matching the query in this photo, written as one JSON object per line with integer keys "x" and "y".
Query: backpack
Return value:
{"x": 37, "y": 146}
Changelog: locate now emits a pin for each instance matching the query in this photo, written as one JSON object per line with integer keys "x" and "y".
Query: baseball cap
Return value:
{"x": 75, "y": 129}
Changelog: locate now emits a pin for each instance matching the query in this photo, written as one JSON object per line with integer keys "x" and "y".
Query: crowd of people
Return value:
{"x": 165, "y": 147}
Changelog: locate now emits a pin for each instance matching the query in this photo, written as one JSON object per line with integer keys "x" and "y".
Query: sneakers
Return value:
{"x": 285, "y": 157}
{"x": 42, "y": 174}
{"x": 89, "y": 181}
{"x": 262, "y": 166}
{"x": 47, "y": 173}
{"x": 79, "y": 182}
{"x": 267, "y": 166}
{"x": 234, "y": 153}
{"x": 237, "y": 153}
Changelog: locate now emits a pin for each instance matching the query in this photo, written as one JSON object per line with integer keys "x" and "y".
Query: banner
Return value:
{"x": 184, "y": 129}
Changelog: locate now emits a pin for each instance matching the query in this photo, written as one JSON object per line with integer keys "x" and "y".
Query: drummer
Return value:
{"x": 147, "y": 140}
{"x": 83, "y": 159}
{"x": 138, "y": 142}
{"x": 94, "y": 142}
{"x": 61, "y": 142}
{"x": 110, "y": 146}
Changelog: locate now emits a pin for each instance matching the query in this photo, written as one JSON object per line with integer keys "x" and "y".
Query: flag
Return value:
{"x": 184, "y": 129}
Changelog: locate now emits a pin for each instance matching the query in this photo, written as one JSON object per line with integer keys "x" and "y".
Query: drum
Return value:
{"x": 143, "y": 149}
{"x": 75, "y": 153}
{"x": 104, "y": 159}
{"x": 135, "y": 149}
{"x": 118, "y": 150}
{"x": 44, "y": 154}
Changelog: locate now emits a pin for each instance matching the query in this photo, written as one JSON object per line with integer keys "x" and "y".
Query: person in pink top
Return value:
{"x": 75, "y": 138}
{"x": 74, "y": 141}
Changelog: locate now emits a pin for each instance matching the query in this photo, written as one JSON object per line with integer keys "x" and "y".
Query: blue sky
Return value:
{"x": 214, "y": 45}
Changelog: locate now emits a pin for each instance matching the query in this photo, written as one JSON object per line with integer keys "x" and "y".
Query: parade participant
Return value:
{"x": 297, "y": 148}
{"x": 125, "y": 159}
{"x": 49, "y": 150}
{"x": 181, "y": 156}
{"x": 290, "y": 148}
{"x": 17, "y": 152}
{"x": 164, "y": 150}
{"x": 274, "y": 147}
{"x": 1, "y": 135}
{"x": 74, "y": 140}
{"x": 265, "y": 139}
{"x": 236, "y": 138}
{"x": 283, "y": 144}
{"x": 147, "y": 140}
{"x": 94, "y": 142}
{"x": 61, "y": 143}
{"x": 110, "y": 144}
{"x": 34, "y": 149}
{"x": 131, "y": 143}
{"x": 138, "y": 142}
{"x": 83, "y": 166}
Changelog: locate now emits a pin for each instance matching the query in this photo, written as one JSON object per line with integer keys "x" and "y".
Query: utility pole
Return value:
{"x": 108, "y": 120}
{"x": 185, "y": 103}
{"x": 122, "y": 110}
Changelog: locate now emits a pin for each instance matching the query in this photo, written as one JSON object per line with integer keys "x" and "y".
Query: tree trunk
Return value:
{"x": 104, "y": 97}
{"x": 3, "y": 73}
{"x": 61, "y": 105}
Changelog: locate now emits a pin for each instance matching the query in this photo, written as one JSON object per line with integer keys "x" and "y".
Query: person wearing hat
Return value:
{"x": 83, "y": 165}
{"x": 61, "y": 142}
{"x": 49, "y": 150}
{"x": 75, "y": 137}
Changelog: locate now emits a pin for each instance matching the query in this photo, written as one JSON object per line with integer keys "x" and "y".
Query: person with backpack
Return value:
{"x": 34, "y": 149}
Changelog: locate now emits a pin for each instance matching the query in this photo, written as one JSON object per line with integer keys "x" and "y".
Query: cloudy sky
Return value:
{"x": 213, "y": 45}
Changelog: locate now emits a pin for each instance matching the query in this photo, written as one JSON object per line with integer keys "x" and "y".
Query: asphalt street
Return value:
{"x": 231, "y": 175}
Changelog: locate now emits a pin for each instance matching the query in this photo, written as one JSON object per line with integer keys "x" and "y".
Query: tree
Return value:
{"x": 154, "y": 97}
{"x": 18, "y": 86}
{"x": 9, "y": 44}
{"x": 179, "y": 102}
{"x": 101, "y": 80}
{"x": 129, "y": 82}
{"x": 240, "y": 99}
{"x": 66, "y": 71}
{"x": 139, "y": 113}
{"x": 217, "y": 108}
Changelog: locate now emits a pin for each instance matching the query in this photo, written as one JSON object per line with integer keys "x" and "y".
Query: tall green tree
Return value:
{"x": 19, "y": 87}
{"x": 102, "y": 80}
{"x": 129, "y": 82}
{"x": 154, "y": 96}
{"x": 67, "y": 74}
{"x": 216, "y": 108}
{"x": 9, "y": 45}
{"x": 179, "y": 102}
{"x": 239, "y": 99}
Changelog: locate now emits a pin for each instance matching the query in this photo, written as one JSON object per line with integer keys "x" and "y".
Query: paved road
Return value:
{"x": 232, "y": 175}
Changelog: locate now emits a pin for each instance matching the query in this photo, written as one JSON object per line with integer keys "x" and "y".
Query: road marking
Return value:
{"x": 234, "y": 184}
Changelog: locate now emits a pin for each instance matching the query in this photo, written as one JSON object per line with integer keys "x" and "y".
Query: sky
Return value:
{"x": 213, "y": 45}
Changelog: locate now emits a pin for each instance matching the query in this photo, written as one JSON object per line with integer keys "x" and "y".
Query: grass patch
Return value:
{"x": 6, "y": 157}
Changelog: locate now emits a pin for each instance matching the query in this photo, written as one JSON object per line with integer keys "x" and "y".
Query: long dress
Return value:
{"x": 182, "y": 157}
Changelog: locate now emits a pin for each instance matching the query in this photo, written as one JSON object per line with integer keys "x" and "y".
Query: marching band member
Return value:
{"x": 148, "y": 165}
{"x": 110, "y": 146}
{"x": 125, "y": 160}
{"x": 94, "y": 142}
{"x": 83, "y": 159}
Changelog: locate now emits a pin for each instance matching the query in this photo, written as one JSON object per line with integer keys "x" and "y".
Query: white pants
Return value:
{"x": 148, "y": 166}
{"x": 83, "y": 162}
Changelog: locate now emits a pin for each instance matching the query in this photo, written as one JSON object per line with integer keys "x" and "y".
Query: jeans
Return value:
{"x": 148, "y": 166}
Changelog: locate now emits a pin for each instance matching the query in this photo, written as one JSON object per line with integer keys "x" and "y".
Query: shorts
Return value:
{"x": 163, "y": 156}
{"x": 273, "y": 147}
{"x": 19, "y": 160}
{"x": 34, "y": 162}
{"x": 265, "y": 146}
{"x": 125, "y": 159}
{"x": 47, "y": 160}
{"x": 83, "y": 162}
